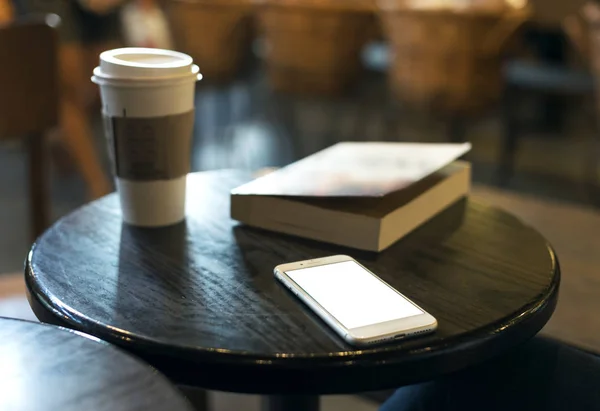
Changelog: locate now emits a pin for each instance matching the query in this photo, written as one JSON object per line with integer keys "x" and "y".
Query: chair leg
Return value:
{"x": 593, "y": 161}
{"x": 79, "y": 140}
{"x": 510, "y": 139}
{"x": 456, "y": 130}
{"x": 38, "y": 184}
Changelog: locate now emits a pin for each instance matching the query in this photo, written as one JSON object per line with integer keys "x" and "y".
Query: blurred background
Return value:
{"x": 286, "y": 78}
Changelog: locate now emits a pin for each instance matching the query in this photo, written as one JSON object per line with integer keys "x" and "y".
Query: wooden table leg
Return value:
{"x": 198, "y": 397}
{"x": 290, "y": 403}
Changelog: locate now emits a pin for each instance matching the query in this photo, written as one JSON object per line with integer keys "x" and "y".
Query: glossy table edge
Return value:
{"x": 52, "y": 312}
{"x": 189, "y": 369}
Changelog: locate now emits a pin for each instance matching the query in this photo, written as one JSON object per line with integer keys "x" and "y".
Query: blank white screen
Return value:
{"x": 352, "y": 295}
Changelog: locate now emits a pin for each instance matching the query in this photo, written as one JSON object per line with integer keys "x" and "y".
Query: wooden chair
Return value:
{"x": 542, "y": 80}
{"x": 552, "y": 80}
{"x": 29, "y": 104}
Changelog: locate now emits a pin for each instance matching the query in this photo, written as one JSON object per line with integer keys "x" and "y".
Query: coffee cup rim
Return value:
{"x": 143, "y": 63}
{"x": 101, "y": 78}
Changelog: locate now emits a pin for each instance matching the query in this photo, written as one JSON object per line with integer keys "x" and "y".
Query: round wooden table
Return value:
{"x": 198, "y": 300}
{"x": 43, "y": 367}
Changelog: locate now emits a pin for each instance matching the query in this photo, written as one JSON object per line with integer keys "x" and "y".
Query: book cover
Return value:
{"x": 356, "y": 169}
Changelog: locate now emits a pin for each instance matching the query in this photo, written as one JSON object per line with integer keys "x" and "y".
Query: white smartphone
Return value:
{"x": 361, "y": 307}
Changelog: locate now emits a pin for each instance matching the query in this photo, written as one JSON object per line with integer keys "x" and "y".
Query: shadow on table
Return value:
{"x": 143, "y": 245}
{"x": 255, "y": 243}
{"x": 155, "y": 260}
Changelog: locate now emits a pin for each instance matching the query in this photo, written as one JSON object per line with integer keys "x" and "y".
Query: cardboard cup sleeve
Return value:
{"x": 151, "y": 148}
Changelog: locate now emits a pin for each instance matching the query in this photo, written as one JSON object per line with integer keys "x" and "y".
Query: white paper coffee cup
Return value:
{"x": 141, "y": 88}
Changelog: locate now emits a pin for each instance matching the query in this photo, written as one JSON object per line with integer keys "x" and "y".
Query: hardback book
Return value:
{"x": 363, "y": 195}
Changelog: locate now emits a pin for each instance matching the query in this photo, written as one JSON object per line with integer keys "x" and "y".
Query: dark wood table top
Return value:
{"x": 199, "y": 301}
{"x": 43, "y": 367}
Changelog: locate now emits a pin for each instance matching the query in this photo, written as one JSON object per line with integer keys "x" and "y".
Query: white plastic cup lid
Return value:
{"x": 136, "y": 63}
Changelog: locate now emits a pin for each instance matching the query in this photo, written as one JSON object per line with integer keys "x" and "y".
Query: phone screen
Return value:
{"x": 352, "y": 295}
